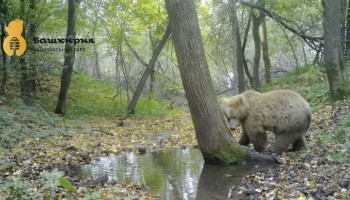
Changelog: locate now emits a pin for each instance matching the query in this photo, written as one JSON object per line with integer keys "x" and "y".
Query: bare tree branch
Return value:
{"x": 281, "y": 21}
{"x": 136, "y": 54}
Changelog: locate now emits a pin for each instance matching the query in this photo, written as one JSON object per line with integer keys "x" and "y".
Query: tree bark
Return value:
{"x": 266, "y": 58}
{"x": 237, "y": 48}
{"x": 337, "y": 73}
{"x": 149, "y": 68}
{"x": 257, "y": 20}
{"x": 26, "y": 93}
{"x": 32, "y": 72}
{"x": 215, "y": 141}
{"x": 3, "y": 69}
{"x": 245, "y": 63}
{"x": 97, "y": 70}
{"x": 343, "y": 21}
{"x": 69, "y": 56}
{"x": 347, "y": 37}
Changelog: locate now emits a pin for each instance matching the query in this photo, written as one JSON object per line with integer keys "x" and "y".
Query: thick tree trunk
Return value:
{"x": 343, "y": 21}
{"x": 257, "y": 19}
{"x": 337, "y": 73}
{"x": 149, "y": 69}
{"x": 237, "y": 48}
{"x": 215, "y": 141}
{"x": 266, "y": 58}
{"x": 347, "y": 37}
{"x": 69, "y": 55}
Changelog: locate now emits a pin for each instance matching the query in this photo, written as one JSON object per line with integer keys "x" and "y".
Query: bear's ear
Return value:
{"x": 240, "y": 97}
{"x": 224, "y": 100}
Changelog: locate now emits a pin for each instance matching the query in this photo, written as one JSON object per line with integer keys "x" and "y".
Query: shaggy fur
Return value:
{"x": 283, "y": 112}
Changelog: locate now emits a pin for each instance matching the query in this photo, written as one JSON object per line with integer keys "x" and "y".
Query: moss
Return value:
{"x": 230, "y": 154}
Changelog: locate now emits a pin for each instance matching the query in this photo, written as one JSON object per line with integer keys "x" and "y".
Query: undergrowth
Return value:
{"x": 89, "y": 99}
{"x": 310, "y": 81}
{"x": 19, "y": 122}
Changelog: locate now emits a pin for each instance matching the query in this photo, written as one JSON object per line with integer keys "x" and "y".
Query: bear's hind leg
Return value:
{"x": 244, "y": 140}
{"x": 259, "y": 141}
{"x": 299, "y": 144}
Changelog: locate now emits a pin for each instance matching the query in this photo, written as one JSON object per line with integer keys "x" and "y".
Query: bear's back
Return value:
{"x": 280, "y": 110}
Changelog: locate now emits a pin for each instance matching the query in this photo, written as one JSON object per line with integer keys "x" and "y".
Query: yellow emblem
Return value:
{"x": 14, "y": 42}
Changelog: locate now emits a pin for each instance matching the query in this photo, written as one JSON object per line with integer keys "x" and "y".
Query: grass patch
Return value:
{"x": 90, "y": 99}
{"x": 151, "y": 106}
{"x": 18, "y": 122}
{"x": 310, "y": 81}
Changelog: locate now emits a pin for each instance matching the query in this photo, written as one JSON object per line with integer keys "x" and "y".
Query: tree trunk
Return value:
{"x": 335, "y": 65}
{"x": 117, "y": 74}
{"x": 32, "y": 72}
{"x": 245, "y": 40}
{"x": 69, "y": 55}
{"x": 26, "y": 93}
{"x": 237, "y": 48}
{"x": 97, "y": 71}
{"x": 145, "y": 75}
{"x": 266, "y": 58}
{"x": 152, "y": 74}
{"x": 215, "y": 141}
{"x": 347, "y": 37}
{"x": 257, "y": 48}
{"x": 3, "y": 69}
{"x": 343, "y": 20}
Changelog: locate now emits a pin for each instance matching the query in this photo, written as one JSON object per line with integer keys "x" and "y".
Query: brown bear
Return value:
{"x": 283, "y": 112}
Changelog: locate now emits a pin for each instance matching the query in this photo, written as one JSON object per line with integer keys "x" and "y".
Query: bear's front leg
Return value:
{"x": 244, "y": 140}
{"x": 259, "y": 141}
{"x": 299, "y": 144}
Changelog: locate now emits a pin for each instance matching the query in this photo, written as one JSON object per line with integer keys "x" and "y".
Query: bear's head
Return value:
{"x": 15, "y": 28}
{"x": 235, "y": 110}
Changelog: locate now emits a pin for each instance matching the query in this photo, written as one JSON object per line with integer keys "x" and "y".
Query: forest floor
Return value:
{"x": 321, "y": 171}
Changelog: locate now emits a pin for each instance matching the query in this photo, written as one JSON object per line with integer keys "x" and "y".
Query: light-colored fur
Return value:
{"x": 283, "y": 112}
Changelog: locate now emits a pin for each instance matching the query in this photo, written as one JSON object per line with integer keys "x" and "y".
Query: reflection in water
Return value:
{"x": 171, "y": 174}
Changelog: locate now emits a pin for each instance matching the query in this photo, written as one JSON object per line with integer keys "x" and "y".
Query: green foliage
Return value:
{"x": 336, "y": 143}
{"x": 67, "y": 185}
{"x": 93, "y": 195}
{"x": 19, "y": 122}
{"x": 89, "y": 98}
{"x": 341, "y": 137}
{"x": 151, "y": 106}
{"x": 50, "y": 182}
{"x": 16, "y": 190}
{"x": 309, "y": 81}
{"x": 233, "y": 154}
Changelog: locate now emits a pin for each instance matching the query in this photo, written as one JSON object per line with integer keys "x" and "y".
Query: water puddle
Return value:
{"x": 172, "y": 174}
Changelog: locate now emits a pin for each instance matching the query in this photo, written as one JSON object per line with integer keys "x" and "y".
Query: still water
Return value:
{"x": 172, "y": 174}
